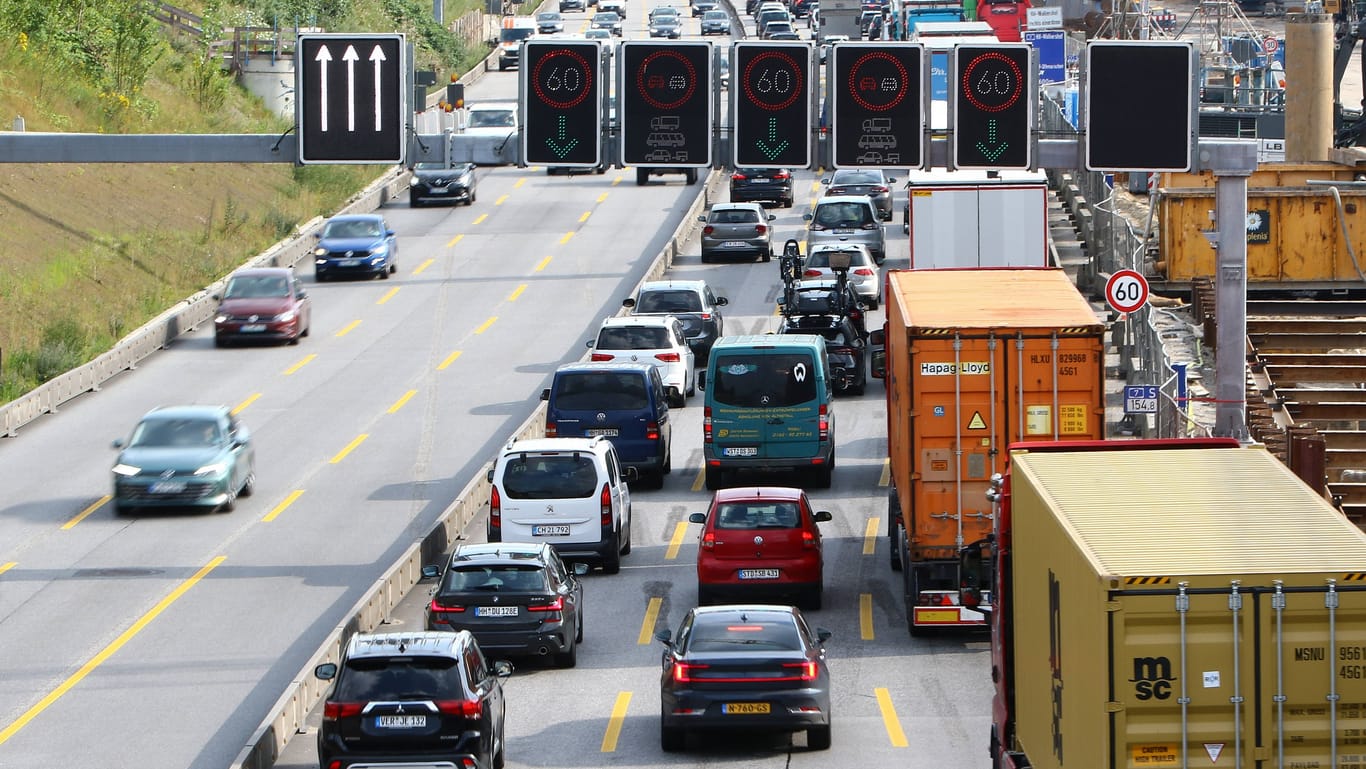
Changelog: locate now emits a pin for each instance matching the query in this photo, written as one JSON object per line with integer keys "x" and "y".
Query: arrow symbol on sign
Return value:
{"x": 558, "y": 144}
{"x": 991, "y": 150}
{"x": 377, "y": 56}
{"x": 350, "y": 57}
{"x": 323, "y": 56}
{"x": 772, "y": 147}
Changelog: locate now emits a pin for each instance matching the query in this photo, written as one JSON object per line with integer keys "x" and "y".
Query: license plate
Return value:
{"x": 254, "y": 327}
{"x": 734, "y": 244}
{"x": 495, "y": 611}
{"x": 438, "y": 189}
{"x": 550, "y": 531}
{"x": 349, "y": 262}
{"x": 168, "y": 487}
{"x": 610, "y": 432}
{"x": 745, "y": 708}
{"x": 741, "y": 451}
{"x": 844, "y": 232}
{"x": 758, "y": 574}
{"x": 400, "y": 722}
{"x": 760, "y": 179}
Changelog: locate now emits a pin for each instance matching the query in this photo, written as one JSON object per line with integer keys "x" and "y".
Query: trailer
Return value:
{"x": 971, "y": 219}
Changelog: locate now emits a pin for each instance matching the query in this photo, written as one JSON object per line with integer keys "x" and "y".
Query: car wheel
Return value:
{"x": 122, "y": 510}
{"x": 642, "y": 176}
{"x": 568, "y": 659}
{"x": 668, "y": 464}
{"x": 712, "y": 478}
{"x": 578, "y": 634}
{"x": 470, "y": 202}
{"x": 612, "y": 564}
{"x": 601, "y": 169}
{"x": 692, "y": 388}
{"x": 787, "y": 202}
{"x": 384, "y": 274}
{"x": 229, "y": 504}
{"x": 677, "y": 400}
{"x": 500, "y": 758}
{"x": 671, "y": 738}
{"x": 766, "y": 255}
{"x": 813, "y": 598}
{"x": 294, "y": 339}
{"x": 706, "y": 257}
{"x": 249, "y": 485}
{"x": 626, "y": 548}
{"x": 219, "y": 341}
{"x": 318, "y": 277}
{"x": 393, "y": 268}
{"x": 307, "y": 328}
{"x": 818, "y": 737}
{"x": 414, "y": 203}
{"x": 825, "y": 473}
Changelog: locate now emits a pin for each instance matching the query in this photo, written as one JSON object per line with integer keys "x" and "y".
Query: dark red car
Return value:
{"x": 266, "y": 303}
{"x": 760, "y": 541}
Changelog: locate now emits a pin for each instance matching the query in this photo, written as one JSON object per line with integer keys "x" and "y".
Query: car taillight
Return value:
{"x": 605, "y": 500}
{"x": 557, "y": 605}
{"x": 869, "y": 226}
{"x": 334, "y": 710}
{"x": 706, "y": 316}
{"x": 709, "y": 540}
{"x": 782, "y": 175}
{"x": 738, "y": 177}
{"x": 863, "y": 271}
{"x": 808, "y": 539}
{"x": 760, "y": 229}
{"x": 684, "y": 672}
{"x": 495, "y": 509}
{"x": 466, "y": 708}
{"x": 706, "y": 424}
{"x": 552, "y": 429}
{"x": 651, "y": 431}
{"x": 441, "y": 607}
{"x": 836, "y": 191}
{"x": 843, "y": 350}
{"x": 824, "y": 423}
{"x": 817, "y": 227}
{"x": 811, "y": 272}
{"x": 879, "y": 190}
{"x": 668, "y": 357}
{"x": 808, "y": 669}
{"x": 602, "y": 356}
{"x": 708, "y": 230}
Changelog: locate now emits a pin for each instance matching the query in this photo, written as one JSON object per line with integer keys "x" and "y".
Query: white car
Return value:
{"x": 654, "y": 339}
{"x": 494, "y": 118}
{"x": 863, "y": 272}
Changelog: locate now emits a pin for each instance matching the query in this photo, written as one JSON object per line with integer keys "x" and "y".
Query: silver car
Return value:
{"x": 737, "y": 228}
{"x": 846, "y": 219}
{"x": 863, "y": 273}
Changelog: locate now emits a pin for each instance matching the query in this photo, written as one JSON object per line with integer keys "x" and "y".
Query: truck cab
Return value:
{"x": 515, "y": 29}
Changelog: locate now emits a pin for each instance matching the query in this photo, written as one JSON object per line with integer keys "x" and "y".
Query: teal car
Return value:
{"x": 184, "y": 457}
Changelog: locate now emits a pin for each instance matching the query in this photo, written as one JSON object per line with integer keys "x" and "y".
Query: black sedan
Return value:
{"x": 437, "y": 182}
{"x": 744, "y": 668}
{"x": 845, "y": 346}
{"x": 761, "y": 185}
{"x": 517, "y": 599}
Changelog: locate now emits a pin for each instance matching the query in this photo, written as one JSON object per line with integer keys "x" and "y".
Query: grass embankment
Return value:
{"x": 91, "y": 252}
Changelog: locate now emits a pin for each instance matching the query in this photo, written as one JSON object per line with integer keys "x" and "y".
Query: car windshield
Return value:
{"x": 597, "y": 33}
{"x": 771, "y": 381}
{"x": 397, "y": 678}
{"x": 548, "y": 16}
{"x": 820, "y": 258}
{"x": 256, "y": 286}
{"x": 715, "y": 16}
{"x": 491, "y": 118}
{"x": 633, "y": 338}
{"x": 559, "y": 476}
{"x": 758, "y": 515}
{"x": 727, "y": 632}
{"x": 352, "y": 228}
{"x": 495, "y": 579}
{"x": 165, "y": 433}
{"x": 511, "y": 34}
{"x": 580, "y": 390}
{"x": 605, "y": 18}
{"x": 668, "y": 300}
{"x": 843, "y": 215}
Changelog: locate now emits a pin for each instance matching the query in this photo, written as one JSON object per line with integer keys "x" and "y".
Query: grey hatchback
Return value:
{"x": 847, "y": 219}
{"x": 737, "y": 228}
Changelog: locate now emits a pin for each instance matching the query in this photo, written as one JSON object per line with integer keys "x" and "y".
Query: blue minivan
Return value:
{"x": 626, "y": 402}
{"x": 768, "y": 407}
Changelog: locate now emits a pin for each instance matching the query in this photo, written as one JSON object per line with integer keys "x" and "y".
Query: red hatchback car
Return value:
{"x": 760, "y": 541}
{"x": 262, "y": 303}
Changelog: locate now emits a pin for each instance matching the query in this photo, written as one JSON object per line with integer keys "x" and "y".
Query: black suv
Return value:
{"x": 515, "y": 599}
{"x": 761, "y": 185}
{"x": 692, "y": 302}
{"x": 412, "y": 698}
{"x": 845, "y": 347}
{"x": 825, "y": 296}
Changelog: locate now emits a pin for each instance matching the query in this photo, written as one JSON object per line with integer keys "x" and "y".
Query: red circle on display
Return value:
{"x": 1270, "y": 45}
{"x": 1014, "y": 91}
{"x": 1126, "y": 290}
{"x": 793, "y": 71}
{"x": 854, "y": 77}
{"x": 643, "y": 80}
{"x": 548, "y": 94}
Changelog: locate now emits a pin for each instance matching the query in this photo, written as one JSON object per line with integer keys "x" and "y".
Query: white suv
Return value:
{"x": 570, "y": 492}
{"x": 657, "y": 340}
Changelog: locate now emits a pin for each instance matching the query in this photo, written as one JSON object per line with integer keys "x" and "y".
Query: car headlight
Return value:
{"x": 285, "y": 317}
{"x": 413, "y": 181}
{"x": 129, "y": 470}
{"x": 217, "y": 468}
{"x": 320, "y": 251}
{"x": 221, "y": 318}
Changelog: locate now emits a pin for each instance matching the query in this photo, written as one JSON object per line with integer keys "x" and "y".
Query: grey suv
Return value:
{"x": 412, "y": 698}
{"x": 691, "y": 301}
{"x": 847, "y": 219}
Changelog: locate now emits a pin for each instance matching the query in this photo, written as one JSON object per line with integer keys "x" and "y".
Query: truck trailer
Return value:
{"x": 970, "y": 219}
{"x": 974, "y": 360}
{"x": 1177, "y": 603}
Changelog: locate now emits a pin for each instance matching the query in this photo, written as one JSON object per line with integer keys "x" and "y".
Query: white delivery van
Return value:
{"x": 968, "y": 219}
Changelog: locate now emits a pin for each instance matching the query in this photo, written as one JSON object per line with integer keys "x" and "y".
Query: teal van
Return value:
{"x": 768, "y": 407}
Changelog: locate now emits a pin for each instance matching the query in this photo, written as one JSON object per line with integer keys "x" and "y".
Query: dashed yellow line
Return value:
{"x": 519, "y": 183}
{"x": 541, "y": 264}
{"x": 448, "y": 361}
{"x": 348, "y": 328}
{"x": 485, "y": 325}
{"x": 647, "y": 627}
{"x": 387, "y": 295}
{"x": 479, "y": 219}
{"x": 304, "y": 362}
{"x": 239, "y": 408}
{"x": 4, "y": 567}
{"x": 603, "y": 196}
{"x": 886, "y": 476}
{"x": 615, "y": 182}
{"x": 870, "y": 535}
{"x": 398, "y": 404}
{"x": 461, "y": 236}
{"x": 889, "y": 719}
{"x": 675, "y": 542}
{"x": 609, "y": 739}
{"x": 516, "y": 292}
{"x": 697, "y": 482}
{"x": 865, "y": 616}
{"x": 584, "y": 217}
{"x": 349, "y": 448}
{"x": 106, "y": 652}
{"x": 280, "y": 508}
{"x": 81, "y": 516}
{"x": 424, "y": 266}
{"x": 498, "y": 202}
{"x": 565, "y": 238}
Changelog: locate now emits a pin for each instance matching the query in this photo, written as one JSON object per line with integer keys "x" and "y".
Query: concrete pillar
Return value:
{"x": 1309, "y": 91}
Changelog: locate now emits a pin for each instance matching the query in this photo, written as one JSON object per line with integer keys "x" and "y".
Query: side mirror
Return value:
{"x": 823, "y": 635}
{"x": 702, "y": 219}
{"x": 877, "y": 364}
{"x": 825, "y": 180}
{"x": 300, "y": 294}
{"x": 806, "y": 217}
{"x": 891, "y": 180}
{"x": 630, "y": 474}
{"x": 431, "y": 571}
{"x": 721, "y": 301}
{"x": 697, "y": 518}
{"x": 581, "y": 568}
{"x": 822, "y": 516}
{"x": 389, "y": 233}
{"x": 318, "y": 235}
{"x": 877, "y": 337}
{"x": 664, "y": 637}
{"x": 589, "y": 344}
{"x": 503, "y": 668}
{"x": 545, "y": 396}
{"x": 118, "y": 443}
{"x": 771, "y": 217}
{"x": 489, "y": 475}
{"x": 216, "y": 297}
{"x": 628, "y": 302}
{"x": 326, "y": 671}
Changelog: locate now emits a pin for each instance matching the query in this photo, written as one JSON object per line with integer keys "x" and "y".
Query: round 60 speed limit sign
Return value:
{"x": 1126, "y": 290}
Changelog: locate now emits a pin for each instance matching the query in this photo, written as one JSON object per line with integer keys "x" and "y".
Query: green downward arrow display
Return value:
{"x": 559, "y": 145}
{"x": 992, "y": 149}
{"x": 772, "y": 147}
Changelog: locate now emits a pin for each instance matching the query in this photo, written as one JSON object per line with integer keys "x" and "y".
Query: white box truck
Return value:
{"x": 970, "y": 219}
{"x": 840, "y": 19}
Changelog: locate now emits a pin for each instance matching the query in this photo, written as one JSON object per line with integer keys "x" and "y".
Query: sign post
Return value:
{"x": 352, "y": 97}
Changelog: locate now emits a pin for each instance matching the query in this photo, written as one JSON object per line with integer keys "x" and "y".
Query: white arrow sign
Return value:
{"x": 377, "y": 56}
{"x": 351, "y": 57}
{"x": 323, "y": 56}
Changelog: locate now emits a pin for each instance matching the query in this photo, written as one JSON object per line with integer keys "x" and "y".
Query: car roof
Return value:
{"x": 861, "y": 199}
{"x": 750, "y": 608}
{"x": 638, "y": 320}
{"x": 857, "y": 171}
{"x": 661, "y": 285}
{"x": 429, "y": 643}
{"x": 605, "y": 365}
{"x": 757, "y": 492}
{"x": 838, "y": 247}
{"x": 247, "y": 272}
{"x": 498, "y": 105}
{"x": 499, "y": 552}
{"x": 356, "y": 218}
{"x": 186, "y": 412}
{"x": 734, "y": 206}
{"x": 544, "y": 445}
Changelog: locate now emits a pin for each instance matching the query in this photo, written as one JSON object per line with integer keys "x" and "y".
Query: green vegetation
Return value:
{"x": 94, "y": 251}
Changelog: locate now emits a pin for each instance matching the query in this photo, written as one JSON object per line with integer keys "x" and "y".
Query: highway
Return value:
{"x": 162, "y": 640}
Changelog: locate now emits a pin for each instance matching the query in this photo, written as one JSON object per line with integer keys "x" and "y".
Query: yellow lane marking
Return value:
{"x": 485, "y": 325}
{"x": 870, "y": 535}
{"x": 675, "y": 542}
{"x": 516, "y": 292}
{"x": 585, "y": 216}
{"x": 348, "y": 328}
{"x": 865, "y": 616}
{"x": 889, "y": 719}
{"x": 886, "y": 476}
{"x": 479, "y": 219}
{"x": 304, "y": 362}
{"x": 106, "y": 652}
{"x": 349, "y": 448}
{"x": 615, "y": 182}
{"x": 647, "y": 628}
{"x": 239, "y": 408}
{"x": 541, "y": 264}
{"x": 519, "y": 183}
{"x": 697, "y": 482}
{"x": 280, "y": 508}
{"x": 387, "y": 295}
{"x": 603, "y": 196}
{"x": 565, "y": 238}
{"x": 82, "y": 514}
{"x": 609, "y": 740}
{"x": 816, "y": 185}
{"x": 461, "y": 236}
{"x": 424, "y": 266}
{"x": 4, "y": 567}
{"x": 448, "y": 361}
{"x": 497, "y": 202}
{"x": 398, "y": 404}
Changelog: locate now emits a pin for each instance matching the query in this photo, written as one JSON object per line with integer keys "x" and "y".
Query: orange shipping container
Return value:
{"x": 976, "y": 359}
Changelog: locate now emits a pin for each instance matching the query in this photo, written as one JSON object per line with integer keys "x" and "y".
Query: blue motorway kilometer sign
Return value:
{"x": 1140, "y": 399}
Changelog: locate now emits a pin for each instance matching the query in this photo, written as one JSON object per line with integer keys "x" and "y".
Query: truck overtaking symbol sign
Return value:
{"x": 1126, "y": 290}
